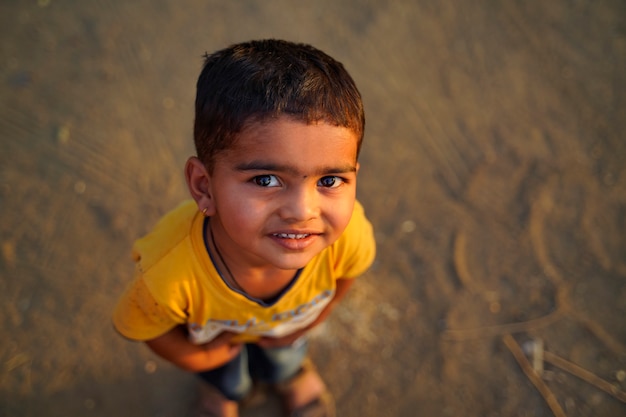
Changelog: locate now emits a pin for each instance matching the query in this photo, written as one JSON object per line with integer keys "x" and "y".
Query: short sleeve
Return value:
{"x": 140, "y": 316}
{"x": 355, "y": 250}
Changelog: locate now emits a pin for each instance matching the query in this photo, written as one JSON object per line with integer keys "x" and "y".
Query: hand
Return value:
{"x": 223, "y": 346}
{"x": 175, "y": 347}
{"x": 224, "y": 338}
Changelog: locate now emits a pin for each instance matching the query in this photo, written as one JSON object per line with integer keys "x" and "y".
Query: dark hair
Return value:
{"x": 259, "y": 80}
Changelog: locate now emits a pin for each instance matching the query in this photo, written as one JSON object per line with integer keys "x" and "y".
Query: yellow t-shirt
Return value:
{"x": 176, "y": 283}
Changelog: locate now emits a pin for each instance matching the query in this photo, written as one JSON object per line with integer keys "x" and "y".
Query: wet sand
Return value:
{"x": 493, "y": 169}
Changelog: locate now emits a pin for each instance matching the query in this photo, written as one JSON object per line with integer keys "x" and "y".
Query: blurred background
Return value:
{"x": 493, "y": 170}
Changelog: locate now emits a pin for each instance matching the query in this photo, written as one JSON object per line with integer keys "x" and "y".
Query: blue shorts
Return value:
{"x": 235, "y": 379}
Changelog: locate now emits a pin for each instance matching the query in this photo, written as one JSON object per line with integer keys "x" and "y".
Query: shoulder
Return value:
{"x": 169, "y": 257}
{"x": 169, "y": 232}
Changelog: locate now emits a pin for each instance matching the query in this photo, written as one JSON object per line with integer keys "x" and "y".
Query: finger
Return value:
{"x": 234, "y": 351}
{"x": 266, "y": 342}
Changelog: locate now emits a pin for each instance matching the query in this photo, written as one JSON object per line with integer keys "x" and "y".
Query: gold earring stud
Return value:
{"x": 204, "y": 210}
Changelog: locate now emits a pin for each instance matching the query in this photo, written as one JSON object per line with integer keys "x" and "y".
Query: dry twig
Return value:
{"x": 543, "y": 389}
{"x": 585, "y": 375}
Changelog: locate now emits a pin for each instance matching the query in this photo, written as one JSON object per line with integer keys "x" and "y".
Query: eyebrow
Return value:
{"x": 290, "y": 169}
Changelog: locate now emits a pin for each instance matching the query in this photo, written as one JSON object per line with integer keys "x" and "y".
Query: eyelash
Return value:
{"x": 257, "y": 180}
{"x": 337, "y": 181}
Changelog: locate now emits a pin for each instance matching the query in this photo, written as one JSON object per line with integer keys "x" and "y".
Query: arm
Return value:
{"x": 343, "y": 285}
{"x": 176, "y": 348}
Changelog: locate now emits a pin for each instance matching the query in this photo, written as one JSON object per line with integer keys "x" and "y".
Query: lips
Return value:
{"x": 294, "y": 241}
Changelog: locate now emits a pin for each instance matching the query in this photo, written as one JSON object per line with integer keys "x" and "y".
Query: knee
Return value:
{"x": 231, "y": 384}
{"x": 235, "y": 388}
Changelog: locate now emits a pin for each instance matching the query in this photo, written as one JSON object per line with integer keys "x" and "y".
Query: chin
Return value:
{"x": 289, "y": 262}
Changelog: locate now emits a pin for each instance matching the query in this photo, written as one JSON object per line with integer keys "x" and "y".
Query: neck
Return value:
{"x": 261, "y": 283}
{"x": 230, "y": 278}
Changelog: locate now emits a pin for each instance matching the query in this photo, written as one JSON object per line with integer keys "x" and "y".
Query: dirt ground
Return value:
{"x": 493, "y": 169}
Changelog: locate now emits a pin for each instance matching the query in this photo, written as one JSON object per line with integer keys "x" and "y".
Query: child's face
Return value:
{"x": 283, "y": 193}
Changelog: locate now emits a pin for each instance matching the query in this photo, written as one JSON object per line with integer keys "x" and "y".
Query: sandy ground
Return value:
{"x": 494, "y": 171}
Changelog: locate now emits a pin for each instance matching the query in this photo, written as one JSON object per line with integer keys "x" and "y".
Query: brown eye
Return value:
{"x": 330, "y": 182}
{"x": 266, "y": 181}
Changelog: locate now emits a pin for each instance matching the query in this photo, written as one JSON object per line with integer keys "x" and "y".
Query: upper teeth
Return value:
{"x": 292, "y": 235}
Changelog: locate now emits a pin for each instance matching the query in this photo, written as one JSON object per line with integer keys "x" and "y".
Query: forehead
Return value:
{"x": 298, "y": 142}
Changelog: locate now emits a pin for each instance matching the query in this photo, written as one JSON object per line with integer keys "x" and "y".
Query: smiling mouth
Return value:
{"x": 292, "y": 235}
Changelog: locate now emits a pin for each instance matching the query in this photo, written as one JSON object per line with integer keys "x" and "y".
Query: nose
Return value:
{"x": 300, "y": 203}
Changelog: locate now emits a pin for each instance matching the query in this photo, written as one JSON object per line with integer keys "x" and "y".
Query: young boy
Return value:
{"x": 228, "y": 285}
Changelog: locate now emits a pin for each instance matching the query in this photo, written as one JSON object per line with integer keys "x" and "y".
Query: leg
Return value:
{"x": 276, "y": 365}
{"x": 295, "y": 378}
{"x": 224, "y": 387}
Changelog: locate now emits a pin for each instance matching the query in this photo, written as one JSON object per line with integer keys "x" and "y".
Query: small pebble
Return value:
{"x": 408, "y": 226}
{"x": 168, "y": 103}
{"x": 63, "y": 134}
{"x": 8, "y": 252}
{"x": 150, "y": 367}
{"x": 80, "y": 187}
{"x": 495, "y": 307}
{"x": 596, "y": 399}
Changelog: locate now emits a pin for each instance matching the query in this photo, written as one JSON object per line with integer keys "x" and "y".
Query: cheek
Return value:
{"x": 340, "y": 216}
{"x": 241, "y": 213}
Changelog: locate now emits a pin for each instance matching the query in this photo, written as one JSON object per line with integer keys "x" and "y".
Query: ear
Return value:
{"x": 199, "y": 184}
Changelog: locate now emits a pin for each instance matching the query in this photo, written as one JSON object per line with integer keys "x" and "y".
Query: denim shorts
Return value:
{"x": 235, "y": 379}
